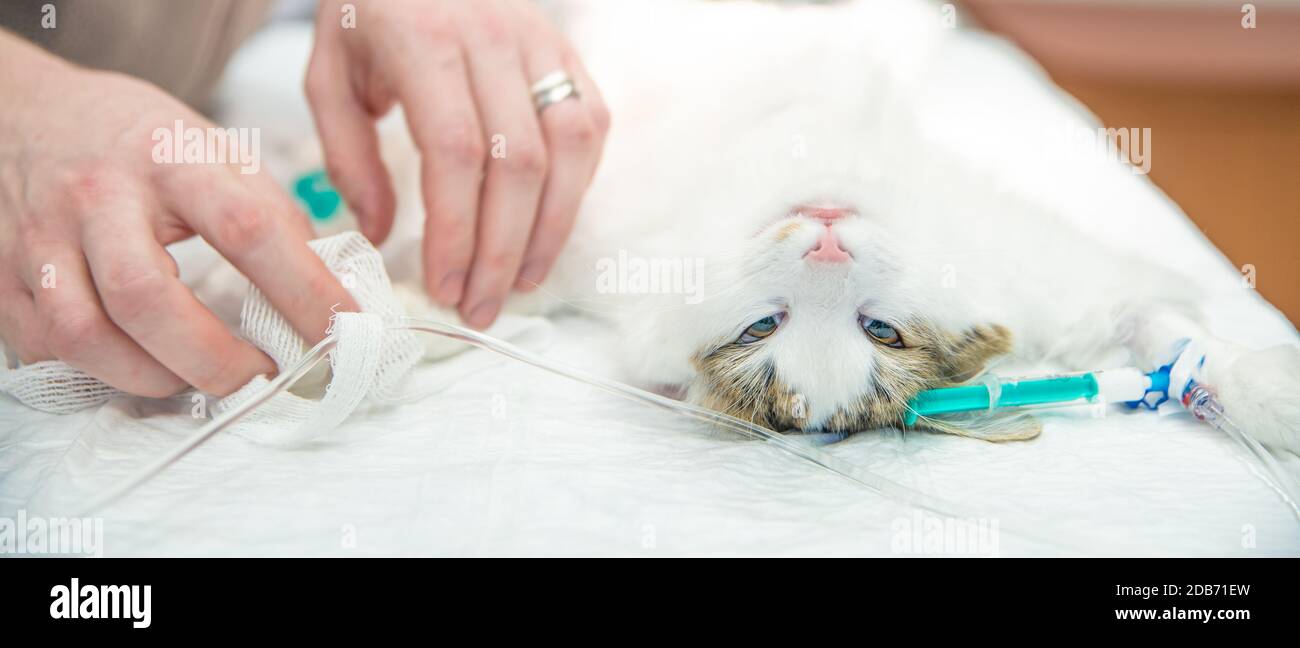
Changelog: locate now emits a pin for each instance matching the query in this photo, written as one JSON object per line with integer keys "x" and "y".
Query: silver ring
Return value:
{"x": 552, "y": 89}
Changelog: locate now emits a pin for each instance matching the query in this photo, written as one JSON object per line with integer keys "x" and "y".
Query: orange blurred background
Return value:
{"x": 1222, "y": 101}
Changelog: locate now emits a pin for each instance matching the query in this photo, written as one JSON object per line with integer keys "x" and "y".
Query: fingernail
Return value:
{"x": 530, "y": 276}
{"x": 483, "y": 314}
{"x": 449, "y": 291}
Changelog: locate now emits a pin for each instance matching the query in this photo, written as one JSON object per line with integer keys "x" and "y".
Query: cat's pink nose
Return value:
{"x": 827, "y": 249}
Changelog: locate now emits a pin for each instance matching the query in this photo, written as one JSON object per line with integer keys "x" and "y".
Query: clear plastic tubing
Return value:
{"x": 1126, "y": 385}
{"x": 1201, "y": 402}
{"x": 808, "y": 453}
{"x": 1207, "y": 410}
{"x": 288, "y": 377}
{"x": 285, "y": 380}
{"x": 1012, "y": 523}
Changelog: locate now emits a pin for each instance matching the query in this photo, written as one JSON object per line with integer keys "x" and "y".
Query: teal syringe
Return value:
{"x": 1127, "y": 385}
{"x": 1170, "y": 388}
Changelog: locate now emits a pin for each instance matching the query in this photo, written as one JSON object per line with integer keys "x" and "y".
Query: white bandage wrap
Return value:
{"x": 369, "y": 360}
{"x": 360, "y": 268}
{"x": 288, "y": 419}
{"x": 55, "y": 387}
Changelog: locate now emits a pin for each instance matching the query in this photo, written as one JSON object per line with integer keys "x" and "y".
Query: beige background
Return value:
{"x": 1222, "y": 102}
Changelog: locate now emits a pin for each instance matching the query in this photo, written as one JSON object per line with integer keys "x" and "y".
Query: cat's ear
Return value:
{"x": 966, "y": 355}
{"x": 989, "y": 426}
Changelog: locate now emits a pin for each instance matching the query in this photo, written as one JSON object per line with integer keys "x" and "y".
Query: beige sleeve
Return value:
{"x": 180, "y": 45}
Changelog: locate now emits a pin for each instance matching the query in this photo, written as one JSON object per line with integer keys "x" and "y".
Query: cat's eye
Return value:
{"x": 762, "y": 328}
{"x": 882, "y": 332}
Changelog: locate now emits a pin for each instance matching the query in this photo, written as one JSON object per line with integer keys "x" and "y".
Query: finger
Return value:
{"x": 264, "y": 187}
{"x": 542, "y": 38}
{"x": 156, "y": 310}
{"x": 574, "y": 142}
{"x": 513, "y": 186}
{"x": 78, "y": 332}
{"x": 19, "y": 325}
{"x": 255, "y": 235}
{"x": 352, "y": 153}
{"x": 592, "y": 99}
{"x": 445, "y": 126}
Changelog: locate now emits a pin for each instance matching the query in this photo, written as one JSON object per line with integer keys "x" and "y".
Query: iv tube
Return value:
{"x": 819, "y": 458}
{"x": 862, "y": 477}
{"x": 285, "y": 380}
{"x": 1203, "y": 404}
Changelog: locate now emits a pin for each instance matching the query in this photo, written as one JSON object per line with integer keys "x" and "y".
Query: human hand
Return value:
{"x": 501, "y": 184}
{"x": 85, "y": 210}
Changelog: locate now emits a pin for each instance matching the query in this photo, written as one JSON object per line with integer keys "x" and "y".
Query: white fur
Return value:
{"x": 728, "y": 115}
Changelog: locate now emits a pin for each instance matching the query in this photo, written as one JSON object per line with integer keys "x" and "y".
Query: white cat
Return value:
{"x": 820, "y": 255}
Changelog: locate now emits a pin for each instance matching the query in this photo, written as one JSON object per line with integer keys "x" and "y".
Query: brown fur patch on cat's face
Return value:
{"x": 732, "y": 381}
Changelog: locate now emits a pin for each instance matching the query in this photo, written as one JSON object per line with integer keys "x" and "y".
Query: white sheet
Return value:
{"x": 504, "y": 459}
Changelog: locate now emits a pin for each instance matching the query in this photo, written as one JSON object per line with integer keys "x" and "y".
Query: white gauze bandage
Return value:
{"x": 369, "y": 360}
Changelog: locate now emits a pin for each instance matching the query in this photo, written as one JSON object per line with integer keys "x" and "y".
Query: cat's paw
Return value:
{"x": 1260, "y": 393}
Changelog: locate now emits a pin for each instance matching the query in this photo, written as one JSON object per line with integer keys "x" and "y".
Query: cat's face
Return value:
{"x": 817, "y": 323}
